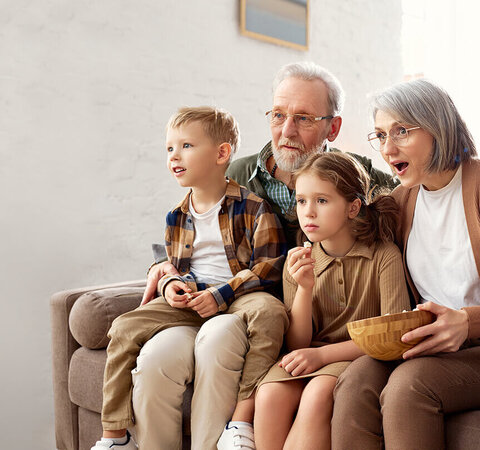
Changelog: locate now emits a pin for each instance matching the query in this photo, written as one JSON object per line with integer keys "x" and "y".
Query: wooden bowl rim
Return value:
{"x": 425, "y": 315}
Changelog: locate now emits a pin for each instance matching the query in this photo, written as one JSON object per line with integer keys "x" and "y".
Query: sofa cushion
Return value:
{"x": 85, "y": 378}
{"x": 89, "y": 428}
{"x": 93, "y": 313}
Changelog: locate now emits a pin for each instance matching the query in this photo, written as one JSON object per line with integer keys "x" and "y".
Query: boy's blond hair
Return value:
{"x": 218, "y": 124}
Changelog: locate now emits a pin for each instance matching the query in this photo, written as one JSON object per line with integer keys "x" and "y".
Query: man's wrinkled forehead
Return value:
{"x": 296, "y": 95}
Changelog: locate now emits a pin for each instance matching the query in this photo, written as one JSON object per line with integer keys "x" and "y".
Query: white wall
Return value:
{"x": 441, "y": 42}
{"x": 85, "y": 90}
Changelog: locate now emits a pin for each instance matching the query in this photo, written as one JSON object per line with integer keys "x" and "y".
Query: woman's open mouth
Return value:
{"x": 400, "y": 167}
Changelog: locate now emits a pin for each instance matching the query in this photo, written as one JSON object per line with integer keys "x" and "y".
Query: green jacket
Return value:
{"x": 242, "y": 169}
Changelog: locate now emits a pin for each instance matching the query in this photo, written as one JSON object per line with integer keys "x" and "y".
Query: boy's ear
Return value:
{"x": 224, "y": 152}
{"x": 354, "y": 208}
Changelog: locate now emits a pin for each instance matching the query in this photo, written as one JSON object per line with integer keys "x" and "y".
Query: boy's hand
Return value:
{"x": 300, "y": 266}
{"x": 204, "y": 304}
{"x": 302, "y": 361}
{"x": 177, "y": 294}
{"x": 154, "y": 275}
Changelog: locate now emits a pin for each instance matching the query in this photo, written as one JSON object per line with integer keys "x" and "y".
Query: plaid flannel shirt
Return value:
{"x": 254, "y": 243}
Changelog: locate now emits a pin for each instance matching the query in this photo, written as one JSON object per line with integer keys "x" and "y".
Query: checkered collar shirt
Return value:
{"x": 275, "y": 189}
{"x": 253, "y": 238}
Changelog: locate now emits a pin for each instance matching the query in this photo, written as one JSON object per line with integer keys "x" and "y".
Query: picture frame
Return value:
{"x": 282, "y": 22}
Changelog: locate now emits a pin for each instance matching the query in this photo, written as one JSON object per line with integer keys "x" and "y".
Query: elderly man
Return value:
{"x": 305, "y": 116}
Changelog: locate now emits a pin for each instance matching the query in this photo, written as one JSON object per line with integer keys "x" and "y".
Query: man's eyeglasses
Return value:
{"x": 278, "y": 118}
{"x": 398, "y": 134}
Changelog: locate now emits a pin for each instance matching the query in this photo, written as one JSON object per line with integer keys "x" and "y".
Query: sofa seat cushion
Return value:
{"x": 93, "y": 313}
{"x": 85, "y": 378}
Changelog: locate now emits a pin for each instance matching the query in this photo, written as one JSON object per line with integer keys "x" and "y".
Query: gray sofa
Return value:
{"x": 81, "y": 319}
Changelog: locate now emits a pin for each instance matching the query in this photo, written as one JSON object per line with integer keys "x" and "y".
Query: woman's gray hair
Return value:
{"x": 308, "y": 70}
{"x": 422, "y": 103}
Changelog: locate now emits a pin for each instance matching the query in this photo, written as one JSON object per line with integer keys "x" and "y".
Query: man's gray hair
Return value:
{"x": 423, "y": 104}
{"x": 308, "y": 70}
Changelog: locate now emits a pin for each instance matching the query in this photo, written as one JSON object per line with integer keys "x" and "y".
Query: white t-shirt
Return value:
{"x": 439, "y": 252}
{"x": 209, "y": 262}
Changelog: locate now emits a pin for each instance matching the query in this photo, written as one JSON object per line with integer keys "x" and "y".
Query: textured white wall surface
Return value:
{"x": 86, "y": 88}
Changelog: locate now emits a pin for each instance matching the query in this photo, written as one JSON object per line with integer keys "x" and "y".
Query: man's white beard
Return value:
{"x": 291, "y": 160}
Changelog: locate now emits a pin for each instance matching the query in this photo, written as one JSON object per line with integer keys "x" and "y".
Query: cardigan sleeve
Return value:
{"x": 473, "y": 313}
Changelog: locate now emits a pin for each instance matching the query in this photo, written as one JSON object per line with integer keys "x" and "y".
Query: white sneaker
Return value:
{"x": 238, "y": 436}
{"x": 110, "y": 443}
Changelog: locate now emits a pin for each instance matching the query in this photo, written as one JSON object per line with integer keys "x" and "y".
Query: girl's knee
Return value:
{"x": 278, "y": 395}
{"x": 318, "y": 395}
{"x": 266, "y": 394}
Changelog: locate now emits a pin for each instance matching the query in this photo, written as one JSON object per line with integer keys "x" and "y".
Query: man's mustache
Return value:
{"x": 290, "y": 143}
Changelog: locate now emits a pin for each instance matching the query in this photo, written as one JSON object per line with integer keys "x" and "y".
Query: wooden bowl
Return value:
{"x": 380, "y": 336}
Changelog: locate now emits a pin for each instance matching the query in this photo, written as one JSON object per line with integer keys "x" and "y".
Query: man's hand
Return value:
{"x": 203, "y": 303}
{"x": 302, "y": 361}
{"x": 154, "y": 275}
{"x": 446, "y": 334}
{"x": 300, "y": 266}
{"x": 177, "y": 294}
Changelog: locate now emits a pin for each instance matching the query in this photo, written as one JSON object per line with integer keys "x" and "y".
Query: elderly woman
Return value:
{"x": 402, "y": 404}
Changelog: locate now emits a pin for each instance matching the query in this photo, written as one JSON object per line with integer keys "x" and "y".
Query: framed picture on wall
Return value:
{"x": 283, "y": 22}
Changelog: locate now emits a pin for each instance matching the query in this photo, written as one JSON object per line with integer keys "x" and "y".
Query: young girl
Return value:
{"x": 353, "y": 271}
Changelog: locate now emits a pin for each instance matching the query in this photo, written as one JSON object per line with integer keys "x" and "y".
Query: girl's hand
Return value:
{"x": 302, "y": 361}
{"x": 300, "y": 266}
{"x": 446, "y": 334}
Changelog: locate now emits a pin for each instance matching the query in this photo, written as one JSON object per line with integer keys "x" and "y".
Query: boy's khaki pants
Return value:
{"x": 213, "y": 358}
{"x": 266, "y": 321}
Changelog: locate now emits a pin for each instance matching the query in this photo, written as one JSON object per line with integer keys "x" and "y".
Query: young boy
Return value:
{"x": 225, "y": 242}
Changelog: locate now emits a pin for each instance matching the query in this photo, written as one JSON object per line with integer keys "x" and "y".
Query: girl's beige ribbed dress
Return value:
{"x": 366, "y": 282}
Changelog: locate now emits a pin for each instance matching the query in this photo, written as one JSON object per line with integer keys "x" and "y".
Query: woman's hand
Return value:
{"x": 302, "y": 361}
{"x": 300, "y": 266}
{"x": 154, "y": 274}
{"x": 446, "y": 334}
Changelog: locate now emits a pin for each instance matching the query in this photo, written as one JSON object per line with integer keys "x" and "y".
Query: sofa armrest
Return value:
{"x": 63, "y": 347}
{"x": 93, "y": 313}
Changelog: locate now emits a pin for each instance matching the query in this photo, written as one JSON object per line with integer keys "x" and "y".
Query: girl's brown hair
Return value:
{"x": 378, "y": 217}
